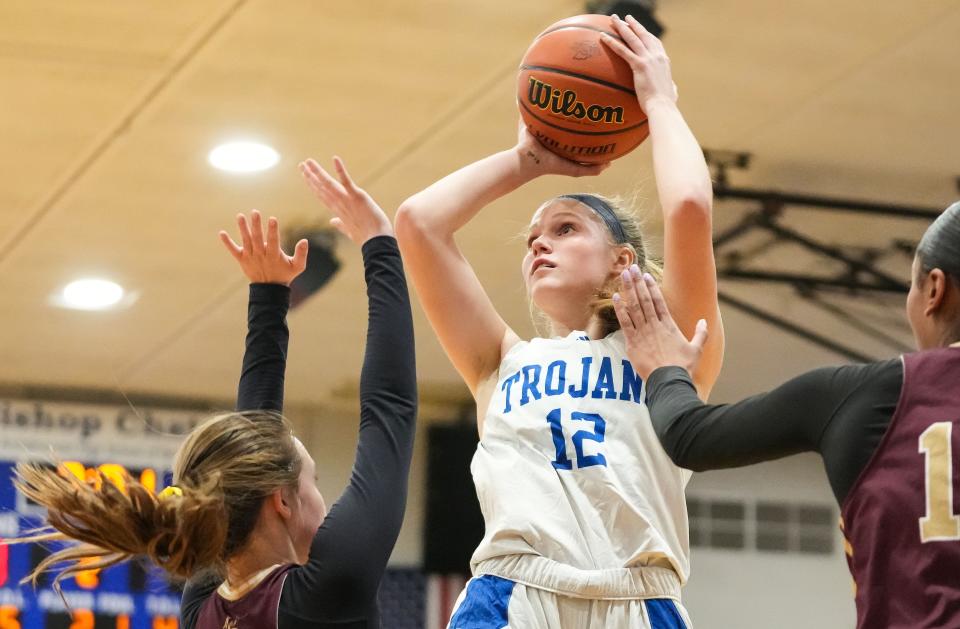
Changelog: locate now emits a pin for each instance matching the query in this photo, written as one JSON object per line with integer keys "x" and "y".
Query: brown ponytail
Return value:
{"x": 113, "y": 524}
{"x": 224, "y": 470}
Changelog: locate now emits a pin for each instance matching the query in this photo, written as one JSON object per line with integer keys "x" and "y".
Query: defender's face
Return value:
{"x": 311, "y": 509}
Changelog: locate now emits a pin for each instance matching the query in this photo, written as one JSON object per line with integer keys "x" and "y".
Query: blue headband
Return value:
{"x": 604, "y": 211}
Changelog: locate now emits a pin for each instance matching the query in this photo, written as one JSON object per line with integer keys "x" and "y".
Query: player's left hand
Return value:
{"x": 260, "y": 256}
{"x": 647, "y": 58}
{"x": 653, "y": 338}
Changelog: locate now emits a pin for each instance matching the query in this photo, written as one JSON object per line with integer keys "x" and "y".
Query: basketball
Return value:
{"x": 576, "y": 95}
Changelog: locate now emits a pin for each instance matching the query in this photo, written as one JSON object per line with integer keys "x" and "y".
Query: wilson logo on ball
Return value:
{"x": 566, "y": 103}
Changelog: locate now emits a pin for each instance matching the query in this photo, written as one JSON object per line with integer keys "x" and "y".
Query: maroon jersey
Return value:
{"x": 257, "y": 609}
{"x": 901, "y": 516}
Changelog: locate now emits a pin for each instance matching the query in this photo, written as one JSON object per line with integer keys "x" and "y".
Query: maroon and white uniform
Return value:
{"x": 901, "y": 517}
{"x": 257, "y": 607}
{"x": 889, "y": 436}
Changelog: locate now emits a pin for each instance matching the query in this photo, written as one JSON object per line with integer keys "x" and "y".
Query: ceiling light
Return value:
{"x": 90, "y": 294}
{"x": 243, "y": 157}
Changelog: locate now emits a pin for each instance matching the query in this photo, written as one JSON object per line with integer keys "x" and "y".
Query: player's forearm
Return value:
{"x": 700, "y": 437}
{"x": 265, "y": 359}
{"x": 450, "y": 203}
{"x": 683, "y": 179}
{"x": 389, "y": 374}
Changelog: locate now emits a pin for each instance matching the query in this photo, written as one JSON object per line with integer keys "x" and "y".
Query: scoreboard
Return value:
{"x": 134, "y": 595}
{"x": 91, "y": 441}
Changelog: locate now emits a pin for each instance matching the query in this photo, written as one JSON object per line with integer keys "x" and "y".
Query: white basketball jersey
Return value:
{"x": 569, "y": 466}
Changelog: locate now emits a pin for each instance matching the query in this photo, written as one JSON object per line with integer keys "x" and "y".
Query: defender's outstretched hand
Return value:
{"x": 358, "y": 215}
{"x": 647, "y": 58}
{"x": 653, "y": 338}
{"x": 261, "y": 258}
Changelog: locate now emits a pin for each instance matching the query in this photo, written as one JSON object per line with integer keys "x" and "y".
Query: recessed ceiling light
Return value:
{"x": 90, "y": 294}
{"x": 243, "y": 157}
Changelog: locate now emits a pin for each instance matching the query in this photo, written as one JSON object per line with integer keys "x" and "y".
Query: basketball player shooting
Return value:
{"x": 586, "y": 523}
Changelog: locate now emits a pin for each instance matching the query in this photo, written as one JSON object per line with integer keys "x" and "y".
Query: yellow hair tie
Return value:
{"x": 172, "y": 490}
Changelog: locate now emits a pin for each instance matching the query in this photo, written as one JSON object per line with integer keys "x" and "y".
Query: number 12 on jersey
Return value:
{"x": 563, "y": 462}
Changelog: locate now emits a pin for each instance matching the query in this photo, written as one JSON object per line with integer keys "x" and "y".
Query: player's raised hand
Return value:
{"x": 260, "y": 256}
{"x": 647, "y": 58}
{"x": 357, "y": 215}
{"x": 653, "y": 338}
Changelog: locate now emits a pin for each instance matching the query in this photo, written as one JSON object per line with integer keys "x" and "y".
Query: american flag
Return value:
{"x": 442, "y": 593}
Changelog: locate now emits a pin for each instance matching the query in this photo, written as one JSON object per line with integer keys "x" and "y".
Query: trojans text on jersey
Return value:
{"x": 534, "y": 381}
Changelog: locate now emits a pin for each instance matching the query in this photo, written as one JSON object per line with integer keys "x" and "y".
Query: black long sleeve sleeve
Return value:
{"x": 260, "y": 388}
{"x": 349, "y": 554}
{"x": 265, "y": 358}
{"x": 839, "y": 412}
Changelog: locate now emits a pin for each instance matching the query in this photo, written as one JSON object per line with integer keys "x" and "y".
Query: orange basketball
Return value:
{"x": 576, "y": 95}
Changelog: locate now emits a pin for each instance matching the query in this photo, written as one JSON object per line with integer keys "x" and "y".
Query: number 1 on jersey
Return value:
{"x": 940, "y": 523}
{"x": 563, "y": 462}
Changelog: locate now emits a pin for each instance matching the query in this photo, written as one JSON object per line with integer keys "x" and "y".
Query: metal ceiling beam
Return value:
{"x": 855, "y": 266}
{"x": 773, "y": 203}
{"x": 811, "y": 281}
{"x": 797, "y": 330}
{"x": 826, "y": 203}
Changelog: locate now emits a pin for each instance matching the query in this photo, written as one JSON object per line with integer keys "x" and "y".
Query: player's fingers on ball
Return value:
{"x": 650, "y": 41}
{"x": 630, "y": 37}
{"x": 623, "y": 315}
{"x": 617, "y": 47}
{"x": 235, "y": 250}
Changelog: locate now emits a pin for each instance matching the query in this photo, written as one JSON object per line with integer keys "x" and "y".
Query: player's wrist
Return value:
{"x": 659, "y": 104}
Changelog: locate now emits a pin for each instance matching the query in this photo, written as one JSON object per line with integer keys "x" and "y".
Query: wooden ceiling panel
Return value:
{"x": 884, "y": 112}
{"x": 103, "y": 30}
{"x": 326, "y": 349}
{"x": 70, "y": 72}
{"x": 819, "y": 91}
{"x": 744, "y": 66}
